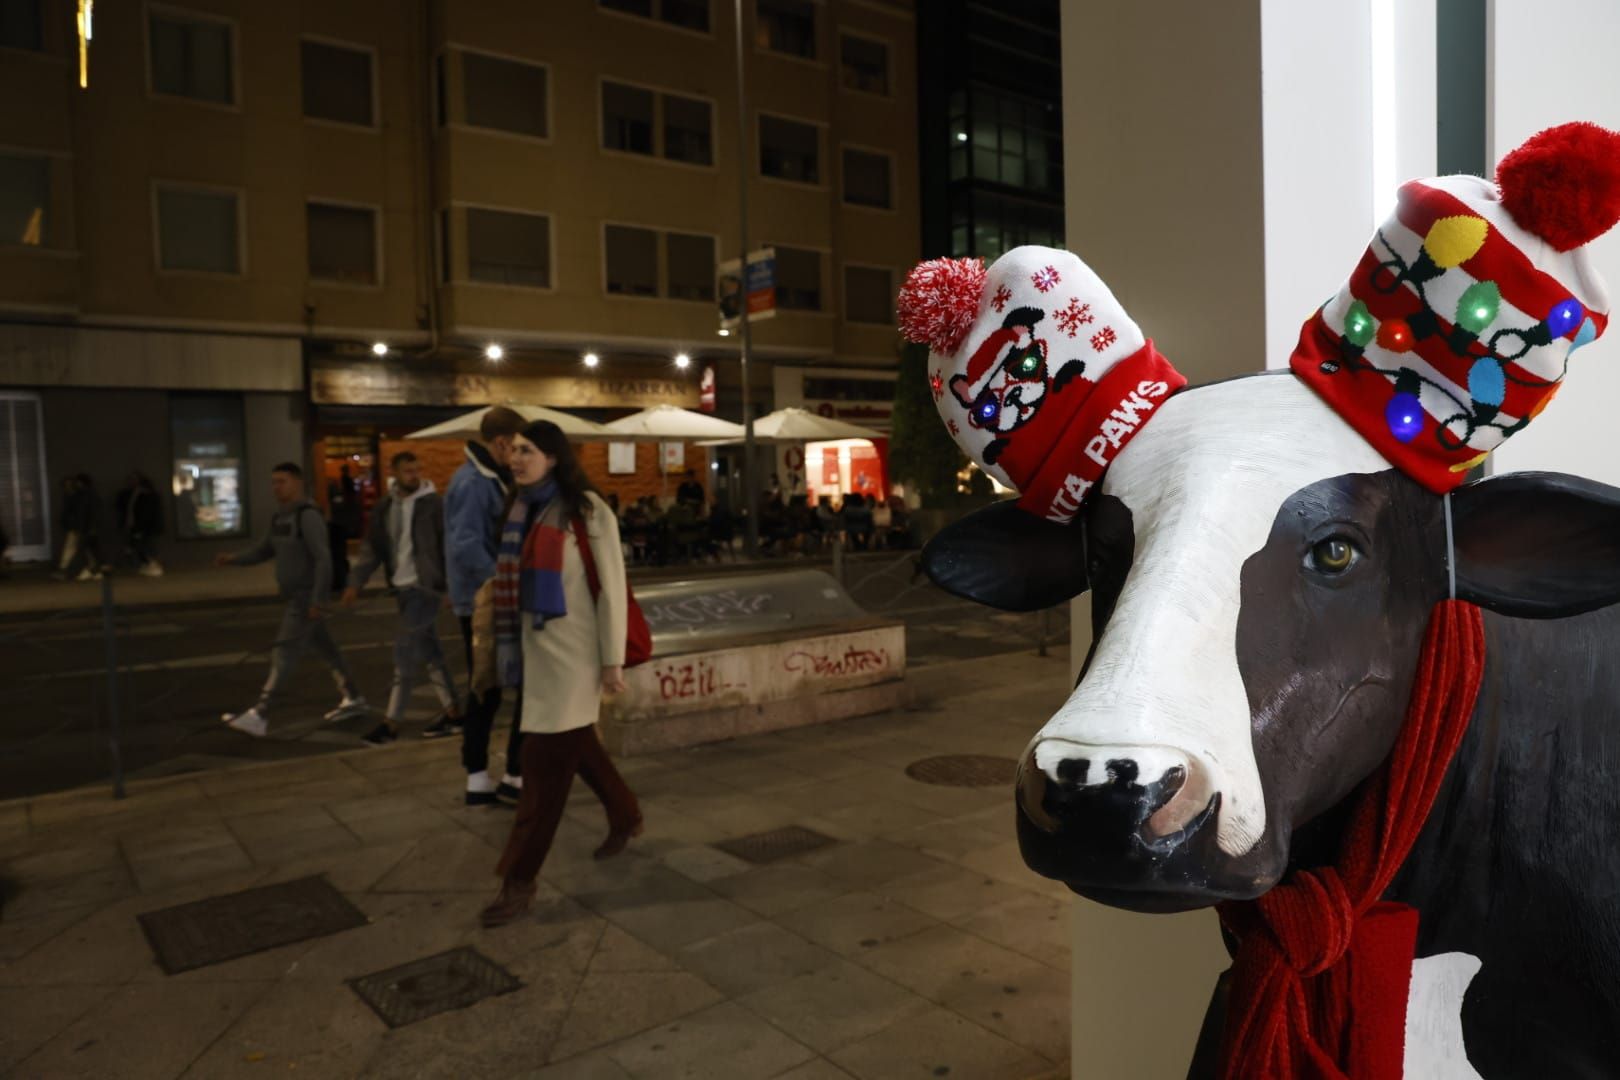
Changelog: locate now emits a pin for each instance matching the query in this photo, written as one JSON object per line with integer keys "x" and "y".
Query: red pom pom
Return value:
{"x": 939, "y": 302}
{"x": 1563, "y": 184}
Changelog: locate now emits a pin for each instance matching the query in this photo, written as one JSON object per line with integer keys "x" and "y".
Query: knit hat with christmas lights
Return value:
{"x": 1455, "y": 329}
{"x": 1039, "y": 374}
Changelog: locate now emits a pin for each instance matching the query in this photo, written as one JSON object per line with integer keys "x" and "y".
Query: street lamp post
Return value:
{"x": 750, "y": 489}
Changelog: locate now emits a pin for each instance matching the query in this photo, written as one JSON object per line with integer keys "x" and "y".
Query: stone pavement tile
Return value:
{"x": 777, "y": 888}
{"x": 63, "y": 862}
{"x": 702, "y": 863}
{"x": 271, "y": 798}
{"x": 320, "y": 1029}
{"x": 97, "y": 803}
{"x": 374, "y": 804}
{"x": 259, "y": 826}
{"x": 151, "y": 1031}
{"x": 283, "y": 774}
{"x": 665, "y": 822}
{"x": 752, "y": 957}
{"x": 611, "y": 1006}
{"x": 938, "y": 1043}
{"x": 949, "y": 838}
{"x": 815, "y": 1069}
{"x": 20, "y": 936}
{"x": 824, "y": 765}
{"x": 350, "y": 870}
{"x": 403, "y": 927}
{"x": 593, "y": 1066}
{"x": 726, "y": 1042}
{"x": 744, "y": 815}
{"x": 868, "y": 818}
{"x": 1028, "y": 1006}
{"x": 411, "y": 776}
{"x": 175, "y": 840}
{"x": 14, "y": 815}
{"x": 1032, "y": 925}
{"x": 618, "y": 951}
{"x": 949, "y": 801}
{"x": 667, "y": 924}
{"x": 154, "y": 873}
{"x": 867, "y": 864}
{"x": 949, "y": 892}
{"x": 41, "y": 896}
{"x": 821, "y": 796}
{"x": 937, "y": 962}
{"x": 404, "y": 825}
{"x": 555, "y": 944}
{"x": 37, "y": 1014}
{"x": 274, "y": 849}
{"x": 855, "y": 922}
{"x": 1003, "y": 861}
{"x": 445, "y": 861}
{"x": 836, "y": 1006}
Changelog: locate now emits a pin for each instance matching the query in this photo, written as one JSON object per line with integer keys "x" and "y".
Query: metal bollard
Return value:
{"x": 109, "y": 633}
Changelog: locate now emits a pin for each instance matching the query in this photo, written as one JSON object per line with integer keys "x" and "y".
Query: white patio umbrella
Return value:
{"x": 795, "y": 425}
{"x": 466, "y": 426}
{"x": 667, "y": 423}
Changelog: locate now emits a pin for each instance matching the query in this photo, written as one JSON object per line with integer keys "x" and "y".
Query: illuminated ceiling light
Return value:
{"x": 86, "y": 31}
{"x": 724, "y": 332}
{"x": 683, "y": 361}
{"x": 961, "y": 136}
{"x": 590, "y": 359}
{"x": 493, "y": 352}
{"x": 379, "y": 348}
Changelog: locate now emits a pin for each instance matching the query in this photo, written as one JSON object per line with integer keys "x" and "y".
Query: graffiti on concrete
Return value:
{"x": 700, "y": 678}
{"x": 851, "y": 661}
{"x": 706, "y": 609}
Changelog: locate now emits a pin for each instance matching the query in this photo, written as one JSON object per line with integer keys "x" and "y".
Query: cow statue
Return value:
{"x": 1367, "y": 707}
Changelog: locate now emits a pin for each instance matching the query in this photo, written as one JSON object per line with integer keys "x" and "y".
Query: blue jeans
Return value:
{"x": 297, "y": 633}
{"x": 416, "y": 645}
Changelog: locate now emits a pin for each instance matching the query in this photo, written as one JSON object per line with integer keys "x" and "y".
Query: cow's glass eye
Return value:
{"x": 1334, "y": 555}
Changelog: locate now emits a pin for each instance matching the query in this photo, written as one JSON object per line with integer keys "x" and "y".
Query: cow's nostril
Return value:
{"x": 1142, "y": 795}
{"x": 1122, "y": 771}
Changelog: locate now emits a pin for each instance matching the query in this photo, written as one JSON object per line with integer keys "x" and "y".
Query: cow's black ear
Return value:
{"x": 1538, "y": 545}
{"x": 1008, "y": 558}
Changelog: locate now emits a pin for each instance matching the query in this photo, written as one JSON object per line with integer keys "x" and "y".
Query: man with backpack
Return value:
{"x": 297, "y": 542}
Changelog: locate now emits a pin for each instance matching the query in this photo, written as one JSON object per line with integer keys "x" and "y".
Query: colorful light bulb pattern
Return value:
{"x": 1471, "y": 329}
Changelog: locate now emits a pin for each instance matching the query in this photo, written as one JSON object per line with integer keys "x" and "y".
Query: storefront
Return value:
{"x": 836, "y": 468}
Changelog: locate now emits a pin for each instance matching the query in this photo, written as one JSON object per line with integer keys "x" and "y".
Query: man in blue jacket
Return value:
{"x": 474, "y": 506}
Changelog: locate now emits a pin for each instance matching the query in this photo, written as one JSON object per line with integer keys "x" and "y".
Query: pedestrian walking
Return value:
{"x": 140, "y": 518}
{"x": 406, "y": 539}
{"x": 474, "y": 506}
{"x": 296, "y": 540}
{"x": 343, "y": 524}
{"x": 561, "y": 615}
{"x": 79, "y": 546}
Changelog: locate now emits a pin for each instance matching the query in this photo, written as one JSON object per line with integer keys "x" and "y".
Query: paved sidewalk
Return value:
{"x": 916, "y": 946}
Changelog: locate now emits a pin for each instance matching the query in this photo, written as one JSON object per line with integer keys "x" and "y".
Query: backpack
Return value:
{"x": 637, "y": 634}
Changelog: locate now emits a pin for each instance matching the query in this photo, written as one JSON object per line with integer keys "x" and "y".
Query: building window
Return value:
{"x": 866, "y": 179}
{"x": 640, "y": 121}
{"x": 505, "y": 95}
{"x": 627, "y": 118}
{"x": 868, "y": 295}
{"x": 1004, "y": 139}
{"x": 209, "y": 454}
{"x": 337, "y": 83}
{"x": 199, "y": 230}
{"x": 688, "y": 134}
{"x": 192, "y": 57}
{"x": 787, "y": 26}
{"x": 789, "y": 150}
{"x": 687, "y": 14}
{"x": 20, "y": 26}
{"x": 630, "y": 255}
{"x": 23, "y": 483}
{"x": 863, "y": 64}
{"x": 342, "y": 244}
{"x": 505, "y": 247}
{"x": 689, "y": 259}
{"x": 25, "y": 196}
{"x": 798, "y": 279}
{"x": 988, "y": 225}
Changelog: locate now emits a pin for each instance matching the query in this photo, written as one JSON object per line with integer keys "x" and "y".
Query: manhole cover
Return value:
{"x": 964, "y": 770}
{"x": 776, "y": 844}
{"x": 424, "y": 988}
{"x": 239, "y": 924}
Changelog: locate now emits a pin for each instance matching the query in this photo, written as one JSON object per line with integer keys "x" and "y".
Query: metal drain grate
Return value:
{"x": 964, "y": 770}
{"x": 423, "y": 988}
{"x": 240, "y": 924}
{"x": 775, "y": 844}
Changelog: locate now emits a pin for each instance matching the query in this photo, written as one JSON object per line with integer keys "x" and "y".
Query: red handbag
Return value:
{"x": 637, "y": 634}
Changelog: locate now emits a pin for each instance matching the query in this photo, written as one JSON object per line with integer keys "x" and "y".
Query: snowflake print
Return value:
{"x": 1045, "y": 279}
{"x": 936, "y": 384}
{"x": 951, "y": 426}
{"x": 1103, "y": 338}
{"x": 1070, "y": 319}
{"x": 999, "y": 301}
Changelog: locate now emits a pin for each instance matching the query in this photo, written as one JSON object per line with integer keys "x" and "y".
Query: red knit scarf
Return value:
{"x": 1323, "y": 967}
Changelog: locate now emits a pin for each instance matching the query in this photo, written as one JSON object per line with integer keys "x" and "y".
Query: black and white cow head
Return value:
{"x": 1261, "y": 581}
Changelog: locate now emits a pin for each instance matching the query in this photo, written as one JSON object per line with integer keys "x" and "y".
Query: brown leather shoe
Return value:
{"x": 511, "y": 903}
{"x": 618, "y": 840}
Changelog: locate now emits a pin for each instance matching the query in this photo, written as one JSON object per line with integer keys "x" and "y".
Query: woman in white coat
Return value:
{"x": 560, "y": 619}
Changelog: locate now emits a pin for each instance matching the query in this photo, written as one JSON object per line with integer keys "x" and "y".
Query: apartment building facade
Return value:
{"x": 268, "y": 231}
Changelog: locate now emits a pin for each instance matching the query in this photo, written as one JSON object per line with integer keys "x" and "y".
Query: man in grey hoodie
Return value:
{"x": 406, "y": 539}
{"x": 297, "y": 543}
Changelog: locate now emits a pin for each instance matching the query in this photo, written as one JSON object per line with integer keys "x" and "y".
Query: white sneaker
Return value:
{"x": 248, "y": 723}
{"x": 151, "y": 569}
{"x": 88, "y": 574}
{"x": 348, "y": 708}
